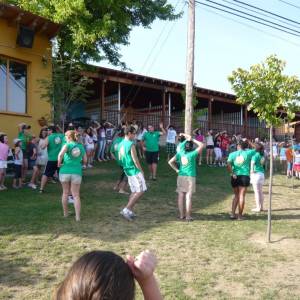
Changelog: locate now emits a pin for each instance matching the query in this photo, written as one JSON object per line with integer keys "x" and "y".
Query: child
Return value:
{"x": 4, "y": 149}
{"x": 171, "y": 141}
{"x": 32, "y": 157}
{"x": 18, "y": 162}
{"x": 89, "y": 146}
{"x": 200, "y": 138}
{"x": 297, "y": 163}
{"x": 289, "y": 159}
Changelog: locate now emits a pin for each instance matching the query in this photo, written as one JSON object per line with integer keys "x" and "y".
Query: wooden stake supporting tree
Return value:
{"x": 269, "y": 93}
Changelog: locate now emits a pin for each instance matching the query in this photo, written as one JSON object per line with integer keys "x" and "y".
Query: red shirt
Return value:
{"x": 225, "y": 141}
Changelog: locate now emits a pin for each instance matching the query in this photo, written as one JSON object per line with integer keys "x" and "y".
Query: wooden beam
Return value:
{"x": 102, "y": 99}
{"x": 245, "y": 121}
{"x": 209, "y": 117}
{"x": 163, "y": 107}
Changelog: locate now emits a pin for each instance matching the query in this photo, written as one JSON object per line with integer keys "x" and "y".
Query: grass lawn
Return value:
{"x": 210, "y": 258}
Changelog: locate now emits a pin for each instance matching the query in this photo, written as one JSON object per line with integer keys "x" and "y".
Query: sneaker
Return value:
{"x": 89, "y": 166}
{"x": 83, "y": 167}
{"x": 32, "y": 185}
{"x": 126, "y": 214}
{"x": 3, "y": 187}
{"x": 255, "y": 210}
{"x": 132, "y": 214}
{"x": 70, "y": 199}
{"x": 41, "y": 191}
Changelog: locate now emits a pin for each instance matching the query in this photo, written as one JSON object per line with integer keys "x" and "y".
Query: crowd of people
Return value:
{"x": 61, "y": 155}
{"x": 57, "y": 155}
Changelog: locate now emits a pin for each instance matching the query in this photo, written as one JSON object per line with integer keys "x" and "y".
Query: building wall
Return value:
{"x": 37, "y": 69}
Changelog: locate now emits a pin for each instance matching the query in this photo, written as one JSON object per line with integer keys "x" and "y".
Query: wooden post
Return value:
{"x": 119, "y": 102}
{"x": 246, "y": 121}
{"x": 270, "y": 187}
{"x": 190, "y": 70}
{"x": 209, "y": 117}
{"x": 170, "y": 107}
{"x": 163, "y": 107}
{"x": 102, "y": 99}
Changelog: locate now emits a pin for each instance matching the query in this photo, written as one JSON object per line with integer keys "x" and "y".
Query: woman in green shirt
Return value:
{"x": 238, "y": 165}
{"x": 70, "y": 173}
{"x": 258, "y": 176}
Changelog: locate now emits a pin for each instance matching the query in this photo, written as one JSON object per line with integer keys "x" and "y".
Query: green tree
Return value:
{"x": 93, "y": 30}
{"x": 270, "y": 94}
{"x": 66, "y": 86}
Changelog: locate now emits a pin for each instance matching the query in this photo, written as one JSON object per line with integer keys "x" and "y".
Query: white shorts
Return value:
{"x": 257, "y": 178}
{"x": 137, "y": 183}
{"x": 283, "y": 158}
{"x": 218, "y": 153}
{"x": 90, "y": 148}
{"x": 3, "y": 164}
{"x": 73, "y": 178}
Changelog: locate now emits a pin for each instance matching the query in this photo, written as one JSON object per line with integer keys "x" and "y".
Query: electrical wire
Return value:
{"x": 262, "y": 14}
{"x": 290, "y": 4}
{"x": 243, "y": 17}
{"x": 252, "y": 27}
{"x": 250, "y": 15}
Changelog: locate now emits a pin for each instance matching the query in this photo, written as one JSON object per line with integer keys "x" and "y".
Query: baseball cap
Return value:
{"x": 16, "y": 141}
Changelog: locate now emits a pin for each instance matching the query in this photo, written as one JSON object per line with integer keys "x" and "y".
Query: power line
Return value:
{"x": 251, "y": 27}
{"x": 271, "y": 13}
{"x": 261, "y": 13}
{"x": 288, "y": 3}
{"x": 250, "y": 15}
{"x": 252, "y": 20}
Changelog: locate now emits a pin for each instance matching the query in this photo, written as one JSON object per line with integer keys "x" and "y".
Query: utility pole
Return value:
{"x": 190, "y": 69}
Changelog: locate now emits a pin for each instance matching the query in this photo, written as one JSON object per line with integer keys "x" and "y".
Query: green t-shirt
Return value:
{"x": 259, "y": 163}
{"x": 114, "y": 148}
{"x": 240, "y": 161}
{"x": 54, "y": 145}
{"x": 187, "y": 163}
{"x": 25, "y": 139}
{"x": 124, "y": 153}
{"x": 151, "y": 140}
{"x": 72, "y": 159}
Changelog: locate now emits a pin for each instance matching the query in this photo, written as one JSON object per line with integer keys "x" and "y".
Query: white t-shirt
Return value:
{"x": 141, "y": 133}
{"x": 89, "y": 142}
{"x": 171, "y": 136}
{"x": 209, "y": 140}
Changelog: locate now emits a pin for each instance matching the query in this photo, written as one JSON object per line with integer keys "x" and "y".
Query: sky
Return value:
{"x": 223, "y": 43}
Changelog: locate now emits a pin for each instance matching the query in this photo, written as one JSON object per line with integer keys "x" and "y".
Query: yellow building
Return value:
{"x": 25, "y": 58}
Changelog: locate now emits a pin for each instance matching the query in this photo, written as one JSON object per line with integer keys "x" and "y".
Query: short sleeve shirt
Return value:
{"x": 240, "y": 161}
{"x": 171, "y": 136}
{"x": 72, "y": 159}
{"x": 114, "y": 148}
{"x": 151, "y": 140}
{"x": 187, "y": 163}
{"x": 124, "y": 155}
{"x": 259, "y": 162}
{"x": 25, "y": 140}
{"x": 55, "y": 142}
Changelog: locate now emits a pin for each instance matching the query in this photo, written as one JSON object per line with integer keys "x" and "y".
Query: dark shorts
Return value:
{"x": 151, "y": 157}
{"x": 224, "y": 153}
{"x": 171, "y": 148}
{"x": 210, "y": 147}
{"x": 51, "y": 168}
{"x": 25, "y": 154}
{"x": 240, "y": 180}
{"x": 31, "y": 164}
{"x": 18, "y": 171}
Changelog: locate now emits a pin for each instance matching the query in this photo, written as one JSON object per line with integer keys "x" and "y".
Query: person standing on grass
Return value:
{"x": 140, "y": 133}
{"x": 121, "y": 184}
{"x": 24, "y": 135}
{"x": 89, "y": 146}
{"x": 69, "y": 162}
{"x": 4, "y": 149}
{"x": 133, "y": 170}
{"x": 151, "y": 148}
{"x": 200, "y": 138}
{"x": 238, "y": 165}
{"x": 186, "y": 180}
{"x": 289, "y": 160}
{"x": 18, "y": 163}
{"x": 171, "y": 141}
{"x": 53, "y": 143}
{"x": 209, "y": 141}
{"x": 225, "y": 142}
{"x": 257, "y": 176}
{"x": 296, "y": 166}
{"x": 32, "y": 157}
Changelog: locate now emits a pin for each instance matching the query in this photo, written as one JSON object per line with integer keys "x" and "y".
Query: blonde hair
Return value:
{"x": 71, "y": 134}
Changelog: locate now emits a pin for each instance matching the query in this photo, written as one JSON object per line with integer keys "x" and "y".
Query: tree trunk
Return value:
{"x": 190, "y": 70}
{"x": 270, "y": 185}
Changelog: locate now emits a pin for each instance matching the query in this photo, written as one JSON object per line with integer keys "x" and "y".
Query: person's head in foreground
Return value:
{"x": 104, "y": 275}
{"x": 189, "y": 146}
{"x": 130, "y": 132}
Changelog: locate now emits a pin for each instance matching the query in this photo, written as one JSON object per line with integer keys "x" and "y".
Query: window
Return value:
{"x": 13, "y": 86}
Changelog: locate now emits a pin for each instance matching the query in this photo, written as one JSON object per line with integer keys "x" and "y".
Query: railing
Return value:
{"x": 115, "y": 116}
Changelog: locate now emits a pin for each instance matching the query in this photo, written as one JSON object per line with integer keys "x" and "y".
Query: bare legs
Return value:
{"x": 75, "y": 191}
{"x": 133, "y": 198}
{"x": 185, "y": 205}
{"x": 238, "y": 201}
{"x": 152, "y": 170}
{"x": 209, "y": 156}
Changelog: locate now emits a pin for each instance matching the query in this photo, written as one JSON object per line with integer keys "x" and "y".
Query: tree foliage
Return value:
{"x": 267, "y": 91}
{"x": 66, "y": 86}
{"x": 95, "y": 29}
